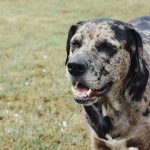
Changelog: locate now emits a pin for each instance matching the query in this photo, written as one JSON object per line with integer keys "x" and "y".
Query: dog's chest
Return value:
{"x": 100, "y": 123}
{"x": 99, "y": 120}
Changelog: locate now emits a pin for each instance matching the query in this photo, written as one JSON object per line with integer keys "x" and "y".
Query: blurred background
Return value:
{"x": 36, "y": 107}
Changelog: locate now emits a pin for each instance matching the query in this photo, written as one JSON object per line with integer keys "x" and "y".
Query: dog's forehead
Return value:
{"x": 91, "y": 25}
{"x": 101, "y": 31}
{"x": 92, "y": 29}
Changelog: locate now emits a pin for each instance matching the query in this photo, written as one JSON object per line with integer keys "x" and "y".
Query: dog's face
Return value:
{"x": 99, "y": 56}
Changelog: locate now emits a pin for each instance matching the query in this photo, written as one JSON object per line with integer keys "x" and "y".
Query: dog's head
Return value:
{"x": 101, "y": 54}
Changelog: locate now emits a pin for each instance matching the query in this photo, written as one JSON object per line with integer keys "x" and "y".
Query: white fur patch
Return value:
{"x": 117, "y": 144}
{"x": 104, "y": 111}
{"x": 132, "y": 148}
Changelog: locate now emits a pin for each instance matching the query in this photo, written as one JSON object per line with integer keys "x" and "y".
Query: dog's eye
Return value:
{"x": 105, "y": 45}
{"x": 107, "y": 48}
{"x": 76, "y": 43}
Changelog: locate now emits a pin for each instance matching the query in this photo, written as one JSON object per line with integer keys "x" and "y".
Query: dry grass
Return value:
{"x": 36, "y": 107}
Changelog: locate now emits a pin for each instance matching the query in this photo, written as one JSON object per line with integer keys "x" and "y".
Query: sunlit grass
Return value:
{"x": 36, "y": 107}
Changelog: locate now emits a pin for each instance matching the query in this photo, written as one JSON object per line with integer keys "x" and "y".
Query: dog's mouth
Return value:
{"x": 84, "y": 95}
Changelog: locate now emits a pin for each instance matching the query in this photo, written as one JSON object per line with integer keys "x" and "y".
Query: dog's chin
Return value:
{"x": 86, "y": 101}
{"x": 86, "y": 96}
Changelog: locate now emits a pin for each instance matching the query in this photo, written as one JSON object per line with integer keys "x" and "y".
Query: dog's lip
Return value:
{"x": 83, "y": 93}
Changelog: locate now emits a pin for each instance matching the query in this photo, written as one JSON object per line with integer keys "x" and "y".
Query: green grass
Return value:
{"x": 36, "y": 107}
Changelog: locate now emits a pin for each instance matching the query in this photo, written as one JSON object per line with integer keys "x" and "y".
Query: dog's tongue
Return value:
{"x": 81, "y": 89}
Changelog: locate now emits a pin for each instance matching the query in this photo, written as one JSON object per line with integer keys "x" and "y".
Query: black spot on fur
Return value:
{"x": 97, "y": 35}
{"x": 101, "y": 125}
{"x": 104, "y": 71}
{"x": 112, "y": 38}
{"x": 145, "y": 98}
{"x": 106, "y": 60}
{"x": 119, "y": 33}
{"x": 146, "y": 113}
{"x": 107, "y": 48}
{"x": 118, "y": 60}
{"x": 99, "y": 78}
{"x": 95, "y": 73}
{"x": 90, "y": 61}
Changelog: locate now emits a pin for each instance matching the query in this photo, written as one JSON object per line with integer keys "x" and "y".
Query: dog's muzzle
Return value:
{"x": 85, "y": 95}
{"x": 77, "y": 66}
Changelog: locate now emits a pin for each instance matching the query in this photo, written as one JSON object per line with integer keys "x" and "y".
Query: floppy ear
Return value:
{"x": 71, "y": 32}
{"x": 137, "y": 77}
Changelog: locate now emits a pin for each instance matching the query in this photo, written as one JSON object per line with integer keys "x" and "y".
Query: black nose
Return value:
{"x": 77, "y": 66}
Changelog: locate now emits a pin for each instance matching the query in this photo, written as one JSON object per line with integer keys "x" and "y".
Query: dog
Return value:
{"x": 108, "y": 63}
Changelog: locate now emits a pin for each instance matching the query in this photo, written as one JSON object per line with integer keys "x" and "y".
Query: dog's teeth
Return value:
{"x": 89, "y": 92}
{"x": 72, "y": 89}
{"x": 76, "y": 84}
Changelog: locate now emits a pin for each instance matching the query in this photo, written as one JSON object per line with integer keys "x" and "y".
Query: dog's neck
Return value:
{"x": 113, "y": 115}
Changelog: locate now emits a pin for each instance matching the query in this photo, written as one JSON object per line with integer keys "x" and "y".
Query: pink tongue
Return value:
{"x": 81, "y": 89}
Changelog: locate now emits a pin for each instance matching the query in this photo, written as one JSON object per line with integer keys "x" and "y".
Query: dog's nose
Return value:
{"x": 77, "y": 66}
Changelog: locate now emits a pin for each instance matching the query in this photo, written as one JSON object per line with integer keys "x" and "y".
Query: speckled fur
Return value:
{"x": 130, "y": 119}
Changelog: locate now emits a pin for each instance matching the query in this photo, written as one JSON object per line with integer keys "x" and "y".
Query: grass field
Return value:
{"x": 36, "y": 107}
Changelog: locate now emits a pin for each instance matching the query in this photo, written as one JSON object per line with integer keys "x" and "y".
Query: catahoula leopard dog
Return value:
{"x": 108, "y": 63}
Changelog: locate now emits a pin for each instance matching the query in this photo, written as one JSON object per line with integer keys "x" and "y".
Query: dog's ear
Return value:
{"x": 137, "y": 77}
{"x": 71, "y": 32}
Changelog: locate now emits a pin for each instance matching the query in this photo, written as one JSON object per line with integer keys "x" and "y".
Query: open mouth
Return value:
{"x": 84, "y": 95}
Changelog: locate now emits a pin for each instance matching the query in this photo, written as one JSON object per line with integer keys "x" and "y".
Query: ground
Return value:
{"x": 36, "y": 107}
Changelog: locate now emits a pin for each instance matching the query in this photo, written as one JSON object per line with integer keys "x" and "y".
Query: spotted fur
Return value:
{"x": 118, "y": 52}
